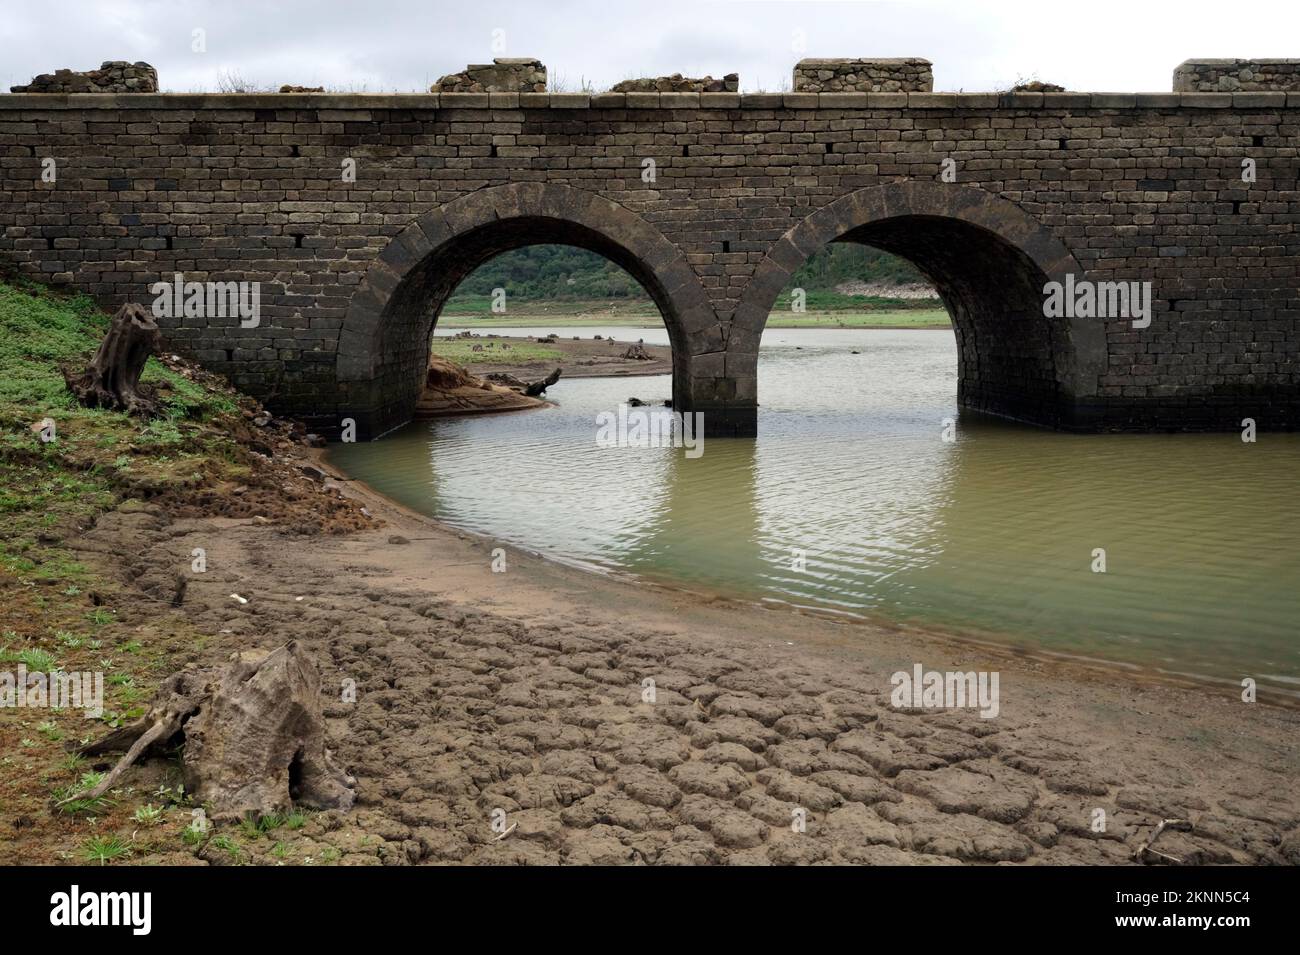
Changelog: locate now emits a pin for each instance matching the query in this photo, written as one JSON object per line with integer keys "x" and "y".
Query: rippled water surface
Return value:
{"x": 991, "y": 535}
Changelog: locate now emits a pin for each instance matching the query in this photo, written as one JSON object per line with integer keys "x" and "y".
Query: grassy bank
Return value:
{"x": 814, "y": 301}
{"x": 595, "y": 315}
{"x": 461, "y": 351}
{"x": 59, "y": 615}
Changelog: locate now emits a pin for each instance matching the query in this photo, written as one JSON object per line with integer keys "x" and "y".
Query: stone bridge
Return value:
{"x": 711, "y": 201}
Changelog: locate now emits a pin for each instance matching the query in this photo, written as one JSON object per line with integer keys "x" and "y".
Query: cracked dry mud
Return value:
{"x": 523, "y": 692}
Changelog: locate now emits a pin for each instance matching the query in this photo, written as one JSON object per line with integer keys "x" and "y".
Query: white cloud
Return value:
{"x": 407, "y": 44}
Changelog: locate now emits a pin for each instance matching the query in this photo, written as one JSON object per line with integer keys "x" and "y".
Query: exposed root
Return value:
{"x": 1145, "y": 849}
{"x": 253, "y": 732}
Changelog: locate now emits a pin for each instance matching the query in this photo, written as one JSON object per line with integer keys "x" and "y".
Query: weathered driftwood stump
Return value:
{"x": 112, "y": 379}
{"x": 253, "y": 731}
{"x": 538, "y": 388}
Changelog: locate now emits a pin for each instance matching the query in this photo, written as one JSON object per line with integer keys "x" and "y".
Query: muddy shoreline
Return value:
{"x": 524, "y": 691}
{"x": 576, "y": 357}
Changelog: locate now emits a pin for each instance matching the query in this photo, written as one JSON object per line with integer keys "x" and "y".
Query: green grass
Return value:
{"x": 461, "y": 351}
{"x": 67, "y": 801}
{"x": 34, "y": 658}
{"x": 825, "y": 300}
{"x": 104, "y": 849}
{"x": 148, "y": 815}
{"x": 831, "y": 301}
{"x": 552, "y": 320}
{"x": 905, "y": 318}
{"x": 481, "y": 305}
{"x": 66, "y": 481}
{"x": 228, "y": 846}
{"x": 48, "y": 490}
{"x": 930, "y": 317}
{"x": 822, "y": 309}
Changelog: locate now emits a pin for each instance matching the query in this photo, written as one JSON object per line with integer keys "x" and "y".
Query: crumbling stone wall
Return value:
{"x": 863, "y": 76}
{"x": 114, "y": 76}
{"x": 502, "y": 75}
{"x": 1228, "y": 76}
{"x": 679, "y": 84}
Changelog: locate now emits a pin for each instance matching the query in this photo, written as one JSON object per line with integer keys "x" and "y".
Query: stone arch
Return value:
{"x": 989, "y": 259}
{"x": 384, "y": 340}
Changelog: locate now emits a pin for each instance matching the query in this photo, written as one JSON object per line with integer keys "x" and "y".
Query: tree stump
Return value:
{"x": 254, "y": 736}
{"x": 538, "y": 388}
{"x": 112, "y": 379}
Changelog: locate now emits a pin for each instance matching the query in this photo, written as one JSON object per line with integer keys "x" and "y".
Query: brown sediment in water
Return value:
{"x": 616, "y": 723}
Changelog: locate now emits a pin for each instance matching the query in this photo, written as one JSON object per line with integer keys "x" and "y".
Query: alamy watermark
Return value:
{"x": 35, "y": 690}
{"x": 659, "y": 428}
{"x": 934, "y": 689}
{"x": 130, "y": 909}
{"x": 179, "y": 298}
{"x": 1087, "y": 299}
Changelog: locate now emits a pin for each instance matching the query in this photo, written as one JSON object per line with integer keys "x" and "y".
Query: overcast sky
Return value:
{"x": 404, "y": 45}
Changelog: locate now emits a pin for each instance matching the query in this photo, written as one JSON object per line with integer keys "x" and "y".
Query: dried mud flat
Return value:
{"x": 522, "y": 691}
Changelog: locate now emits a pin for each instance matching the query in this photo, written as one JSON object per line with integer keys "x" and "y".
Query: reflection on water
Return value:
{"x": 850, "y": 481}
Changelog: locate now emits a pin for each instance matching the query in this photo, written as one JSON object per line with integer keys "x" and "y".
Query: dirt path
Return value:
{"x": 523, "y": 691}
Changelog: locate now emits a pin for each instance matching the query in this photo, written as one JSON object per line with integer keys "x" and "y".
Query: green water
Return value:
{"x": 850, "y": 501}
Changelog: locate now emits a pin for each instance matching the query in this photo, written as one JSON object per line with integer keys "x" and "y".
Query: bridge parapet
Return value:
{"x": 502, "y": 75}
{"x": 208, "y": 103}
{"x": 910, "y": 75}
{"x": 1229, "y": 76}
{"x": 114, "y": 76}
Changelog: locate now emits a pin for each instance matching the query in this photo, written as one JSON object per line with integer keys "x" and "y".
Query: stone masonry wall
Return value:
{"x": 1136, "y": 186}
{"x": 1229, "y": 76}
{"x": 116, "y": 76}
{"x": 863, "y": 76}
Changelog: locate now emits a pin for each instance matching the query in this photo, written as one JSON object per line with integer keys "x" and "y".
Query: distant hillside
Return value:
{"x": 562, "y": 272}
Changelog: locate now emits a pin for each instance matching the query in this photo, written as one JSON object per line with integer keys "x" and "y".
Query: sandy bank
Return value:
{"x": 525, "y": 691}
{"x": 533, "y": 358}
{"x": 452, "y": 390}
